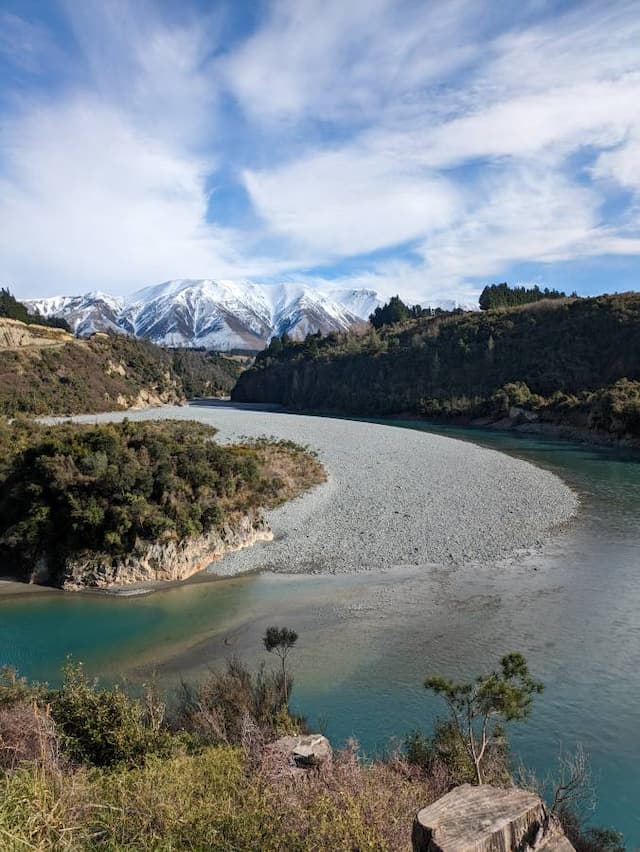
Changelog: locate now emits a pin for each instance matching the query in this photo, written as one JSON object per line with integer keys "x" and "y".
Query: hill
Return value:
{"x": 46, "y": 370}
{"x": 562, "y": 362}
{"x": 125, "y": 502}
{"x": 11, "y": 308}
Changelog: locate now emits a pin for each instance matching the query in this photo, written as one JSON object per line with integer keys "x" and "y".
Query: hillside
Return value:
{"x": 562, "y": 362}
{"x": 48, "y": 371}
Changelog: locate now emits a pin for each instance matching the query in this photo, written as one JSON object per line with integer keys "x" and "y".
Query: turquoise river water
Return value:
{"x": 367, "y": 641}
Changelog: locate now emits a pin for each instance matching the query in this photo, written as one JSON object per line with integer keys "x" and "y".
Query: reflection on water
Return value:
{"x": 366, "y": 642}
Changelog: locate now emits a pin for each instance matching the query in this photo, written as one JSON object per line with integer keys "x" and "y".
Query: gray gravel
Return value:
{"x": 395, "y": 497}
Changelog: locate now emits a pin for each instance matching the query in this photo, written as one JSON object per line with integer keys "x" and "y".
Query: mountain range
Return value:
{"x": 220, "y": 315}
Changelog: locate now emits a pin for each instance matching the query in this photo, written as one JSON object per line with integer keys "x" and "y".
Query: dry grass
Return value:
{"x": 212, "y": 800}
{"x": 27, "y": 735}
{"x": 287, "y": 470}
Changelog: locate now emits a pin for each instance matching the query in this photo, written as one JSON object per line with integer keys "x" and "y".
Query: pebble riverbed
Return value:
{"x": 394, "y": 497}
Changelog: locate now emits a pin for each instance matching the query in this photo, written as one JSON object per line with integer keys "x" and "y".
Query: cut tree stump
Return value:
{"x": 487, "y": 819}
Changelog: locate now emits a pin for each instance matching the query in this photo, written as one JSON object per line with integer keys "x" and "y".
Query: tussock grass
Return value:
{"x": 210, "y": 800}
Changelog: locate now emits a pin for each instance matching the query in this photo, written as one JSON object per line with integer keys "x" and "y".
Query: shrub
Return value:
{"x": 104, "y": 726}
{"x": 28, "y": 734}
{"x": 218, "y": 708}
{"x": 444, "y": 755}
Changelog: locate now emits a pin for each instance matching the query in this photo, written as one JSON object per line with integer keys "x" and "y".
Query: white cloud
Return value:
{"x": 89, "y": 201}
{"x": 351, "y": 202}
{"x": 515, "y": 215}
{"x": 487, "y": 135}
{"x": 327, "y": 59}
{"x": 541, "y": 94}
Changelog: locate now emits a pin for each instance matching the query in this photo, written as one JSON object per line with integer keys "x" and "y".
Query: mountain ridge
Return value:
{"x": 217, "y": 314}
{"x": 211, "y": 314}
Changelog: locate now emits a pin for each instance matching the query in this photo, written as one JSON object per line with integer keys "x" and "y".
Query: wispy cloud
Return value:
{"x": 26, "y": 45}
{"x": 485, "y": 135}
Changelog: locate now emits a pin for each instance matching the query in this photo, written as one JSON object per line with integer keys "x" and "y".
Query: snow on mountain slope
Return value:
{"x": 95, "y": 311}
{"x": 219, "y": 315}
{"x": 214, "y": 314}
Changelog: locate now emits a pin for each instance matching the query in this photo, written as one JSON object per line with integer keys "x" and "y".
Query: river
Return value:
{"x": 367, "y": 641}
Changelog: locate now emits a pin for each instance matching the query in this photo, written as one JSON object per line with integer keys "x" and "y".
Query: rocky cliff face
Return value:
{"x": 15, "y": 335}
{"x": 164, "y": 562}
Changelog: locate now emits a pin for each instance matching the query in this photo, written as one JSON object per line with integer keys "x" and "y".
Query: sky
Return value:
{"x": 421, "y": 148}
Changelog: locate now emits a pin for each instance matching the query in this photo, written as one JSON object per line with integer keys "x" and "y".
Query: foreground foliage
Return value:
{"x": 85, "y": 767}
{"x": 475, "y": 707}
{"x": 102, "y": 769}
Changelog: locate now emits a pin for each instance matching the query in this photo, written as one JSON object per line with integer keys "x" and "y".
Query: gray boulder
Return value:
{"x": 305, "y": 751}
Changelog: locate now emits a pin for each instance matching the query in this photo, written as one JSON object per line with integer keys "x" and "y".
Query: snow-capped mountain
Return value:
{"x": 86, "y": 314}
{"x": 219, "y": 315}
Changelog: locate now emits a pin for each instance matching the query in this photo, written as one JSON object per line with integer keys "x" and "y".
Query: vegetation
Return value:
{"x": 72, "y": 491}
{"x": 570, "y": 362}
{"x": 90, "y": 767}
{"x": 204, "y": 373}
{"x": 280, "y": 640}
{"x": 11, "y": 308}
{"x": 57, "y": 374}
{"x": 506, "y": 694}
{"x": 106, "y": 373}
{"x": 503, "y": 296}
{"x": 395, "y": 311}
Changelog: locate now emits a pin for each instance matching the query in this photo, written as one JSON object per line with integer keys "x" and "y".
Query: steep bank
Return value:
{"x": 159, "y": 562}
{"x": 47, "y": 371}
{"x": 573, "y": 363}
{"x": 394, "y": 498}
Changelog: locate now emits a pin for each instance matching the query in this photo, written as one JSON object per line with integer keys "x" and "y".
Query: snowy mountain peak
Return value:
{"x": 214, "y": 314}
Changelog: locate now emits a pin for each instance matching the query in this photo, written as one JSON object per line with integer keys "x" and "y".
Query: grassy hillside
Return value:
{"x": 48, "y": 371}
{"x": 572, "y": 361}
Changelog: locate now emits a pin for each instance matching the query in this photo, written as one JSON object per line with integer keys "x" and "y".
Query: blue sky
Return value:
{"x": 424, "y": 148}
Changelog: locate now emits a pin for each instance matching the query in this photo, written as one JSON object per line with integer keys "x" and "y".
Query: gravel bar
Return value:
{"x": 395, "y": 497}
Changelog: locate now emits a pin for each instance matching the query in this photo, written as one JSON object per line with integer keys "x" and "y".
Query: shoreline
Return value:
{"x": 394, "y": 497}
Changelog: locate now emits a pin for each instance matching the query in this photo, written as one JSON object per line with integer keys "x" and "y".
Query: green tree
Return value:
{"x": 476, "y": 707}
{"x": 501, "y": 295}
{"x": 280, "y": 641}
{"x": 394, "y": 311}
{"x": 11, "y": 308}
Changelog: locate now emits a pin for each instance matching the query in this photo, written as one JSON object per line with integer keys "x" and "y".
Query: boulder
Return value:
{"x": 522, "y": 415}
{"x": 305, "y": 751}
{"x": 487, "y": 819}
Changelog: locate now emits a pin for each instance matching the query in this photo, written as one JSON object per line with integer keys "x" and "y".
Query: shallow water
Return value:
{"x": 366, "y": 642}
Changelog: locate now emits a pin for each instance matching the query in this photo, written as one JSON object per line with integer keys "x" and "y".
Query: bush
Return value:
{"x": 219, "y": 708}
{"x": 444, "y": 755}
{"x": 96, "y": 492}
{"x": 28, "y": 734}
{"x": 104, "y": 727}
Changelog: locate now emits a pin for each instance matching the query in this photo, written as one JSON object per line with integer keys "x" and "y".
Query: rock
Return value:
{"x": 487, "y": 819}
{"x": 522, "y": 415}
{"x": 306, "y": 751}
{"x": 164, "y": 562}
{"x": 16, "y": 335}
